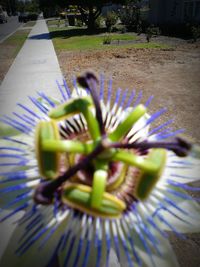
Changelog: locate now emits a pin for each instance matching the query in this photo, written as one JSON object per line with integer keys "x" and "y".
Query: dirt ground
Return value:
{"x": 6, "y": 59}
{"x": 172, "y": 76}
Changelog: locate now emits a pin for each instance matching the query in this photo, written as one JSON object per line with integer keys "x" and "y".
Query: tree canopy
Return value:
{"x": 90, "y": 10}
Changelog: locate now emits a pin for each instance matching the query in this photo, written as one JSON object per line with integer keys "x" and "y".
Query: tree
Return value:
{"x": 51, "y": 7}
{"x": 31, "y": 6}
{"x": 8, "y": 5}
{"x": 89, "y": 9}
{"x": 130, "y": 15}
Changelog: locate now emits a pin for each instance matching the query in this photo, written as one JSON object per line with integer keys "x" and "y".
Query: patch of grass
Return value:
{"x": 55, "y": 22}
{"x": 9, "y": 49}
{"x": 67, "y": 40}
{"x": 84, "y": 42}
{"x": 79, "y": 39}
{"x": 151, "y": 45}
{"x": 17, "y": 40}
{"x": 30, "y": 23}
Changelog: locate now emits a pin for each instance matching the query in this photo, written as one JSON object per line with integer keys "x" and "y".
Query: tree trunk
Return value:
{"x": 90, "y": 18}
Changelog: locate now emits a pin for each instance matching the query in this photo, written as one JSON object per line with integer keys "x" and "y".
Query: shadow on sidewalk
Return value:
{"x": 40, "y": 36}
{"x": 66, "y": 33}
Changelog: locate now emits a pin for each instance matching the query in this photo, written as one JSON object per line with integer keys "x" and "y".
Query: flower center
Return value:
{"x": 99, "y": 172}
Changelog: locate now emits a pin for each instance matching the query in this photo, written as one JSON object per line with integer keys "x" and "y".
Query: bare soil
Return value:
{"x": 6, "y": 59}
{"x": 171, "y": 75}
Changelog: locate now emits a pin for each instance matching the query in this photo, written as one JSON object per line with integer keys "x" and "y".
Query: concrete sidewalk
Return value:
{"x": 35, "y": 68}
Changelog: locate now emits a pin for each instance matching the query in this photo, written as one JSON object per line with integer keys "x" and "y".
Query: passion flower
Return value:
{"x": 91, "y": 177}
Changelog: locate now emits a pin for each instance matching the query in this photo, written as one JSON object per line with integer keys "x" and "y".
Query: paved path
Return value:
{"x": 35, "y": 68}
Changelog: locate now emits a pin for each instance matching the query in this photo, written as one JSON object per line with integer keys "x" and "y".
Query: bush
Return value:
{"x": 33, "y": 16}
{"x": 151, "y": 30}
{"x": 195, "y": 32}
{"x": 107, "y": 39}
{"x": 99, "y": 22}
{"x": 123, "y": 29}
{"x": 79, "y": 23}
{"x": 130, "y": 16}
{"x": 119, "y": 28}
{"x": 71, "y": 19}
{"x": 110, "y": 20}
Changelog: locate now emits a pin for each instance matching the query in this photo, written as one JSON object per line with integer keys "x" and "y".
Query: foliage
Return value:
{"x": 51, "y": 8}
{"x": 99, "y": 22}
{"x": 195, "y": 31}
{"x": 110, "y": 20}
{"x": 90, "y": 10}
{"x": 28, "y": 6}
{"x": 119, "y": 28}
{"x": 151, "y": 30}
{"x": 79, "y": 23}
{"x": 107, "y": 39}
{"x": 130, "y": 15}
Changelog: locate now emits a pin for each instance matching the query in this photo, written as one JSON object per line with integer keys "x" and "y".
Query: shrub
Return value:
{"x": 151, "y": 30}
{"x": 79, "y": 23}
{"x": 195, "y": 31}
{"x": 110, "y": 20}
{"x": 119, "y": 28}
{"x": 130, "y": 16}
{"x": 107, "y": 39}
{"x": 99, "y": 22}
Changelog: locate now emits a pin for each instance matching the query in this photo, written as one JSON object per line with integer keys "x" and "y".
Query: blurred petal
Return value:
{"x": 18, "y": 252}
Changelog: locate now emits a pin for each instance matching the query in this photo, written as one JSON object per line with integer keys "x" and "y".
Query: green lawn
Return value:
{"x": 17, "y": 40}
{"x": 30, "y": 23}
{"x": 150, "y": 45}
{"x": 55, "y": 22}
{"x": 69, "y": 40}
{"x": 78, "y": 39}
